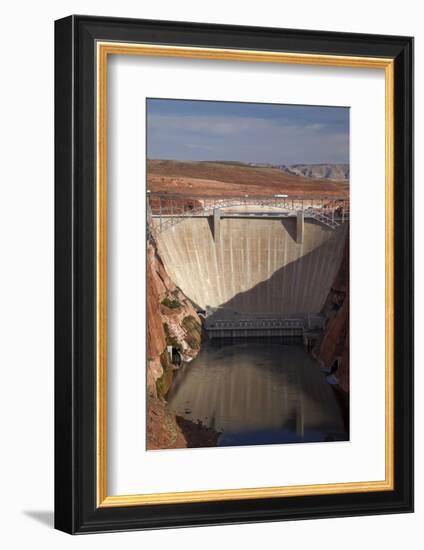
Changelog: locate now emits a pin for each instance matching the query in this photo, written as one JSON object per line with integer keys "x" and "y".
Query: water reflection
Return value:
{"x": 258, "y": 393}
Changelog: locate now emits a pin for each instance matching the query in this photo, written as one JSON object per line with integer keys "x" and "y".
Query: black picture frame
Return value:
{"x": 76, "y": 510}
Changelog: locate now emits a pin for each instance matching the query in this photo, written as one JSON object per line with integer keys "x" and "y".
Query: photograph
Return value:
{"x": 231, "y": 346}
{"x": 247, "y": 273}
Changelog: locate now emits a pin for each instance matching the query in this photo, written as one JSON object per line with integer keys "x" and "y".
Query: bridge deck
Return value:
{"x": 242, "y": 215}
{"x": 172, "y": 210}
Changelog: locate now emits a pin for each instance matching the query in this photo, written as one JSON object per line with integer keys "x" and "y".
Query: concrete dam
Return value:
{"x": 255, "y": 266}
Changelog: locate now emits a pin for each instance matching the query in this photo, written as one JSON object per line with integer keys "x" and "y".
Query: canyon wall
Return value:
{"x": 334, "y": 345}
{"x": 171, "y": 320}
{"x": 255, "y": 266}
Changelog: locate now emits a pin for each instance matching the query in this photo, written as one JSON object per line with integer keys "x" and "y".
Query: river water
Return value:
{"x": 258, "y": 392}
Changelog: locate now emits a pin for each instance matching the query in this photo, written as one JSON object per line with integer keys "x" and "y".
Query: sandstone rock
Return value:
{"x": 165, "y": 326}
{"x": 334, "y": 345}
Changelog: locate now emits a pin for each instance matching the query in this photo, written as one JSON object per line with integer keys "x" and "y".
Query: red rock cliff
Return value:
{"x": 334, "y": 345}
{"x": 171, "y": 320}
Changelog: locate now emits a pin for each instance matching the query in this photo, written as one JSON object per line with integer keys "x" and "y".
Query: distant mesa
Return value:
{"x": 334, "y": 172}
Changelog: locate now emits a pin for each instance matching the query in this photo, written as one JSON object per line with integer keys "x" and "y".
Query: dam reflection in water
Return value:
{"x": 258, "y": 393}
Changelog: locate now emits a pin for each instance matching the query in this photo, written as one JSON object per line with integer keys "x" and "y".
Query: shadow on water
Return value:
{"x": 258, "y": 392}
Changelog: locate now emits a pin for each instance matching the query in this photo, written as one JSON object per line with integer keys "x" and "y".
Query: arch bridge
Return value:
{"x": 173, "y": 209}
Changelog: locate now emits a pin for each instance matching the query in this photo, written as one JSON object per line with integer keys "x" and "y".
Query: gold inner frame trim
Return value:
{"x": 103, "y": 50}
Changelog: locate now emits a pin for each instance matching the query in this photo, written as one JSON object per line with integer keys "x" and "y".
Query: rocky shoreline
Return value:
{"x": 172, "y": 323}
{"x": 167, "y": 431}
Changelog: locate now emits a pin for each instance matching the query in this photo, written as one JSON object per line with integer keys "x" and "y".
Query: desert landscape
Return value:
{"x": 226, "y": 179}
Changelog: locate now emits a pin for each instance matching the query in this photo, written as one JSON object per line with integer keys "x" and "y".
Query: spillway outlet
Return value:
{"x": 225, "y": 324}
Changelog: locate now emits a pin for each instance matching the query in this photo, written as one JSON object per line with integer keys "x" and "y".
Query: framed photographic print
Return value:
{"x": 233, "y": 271}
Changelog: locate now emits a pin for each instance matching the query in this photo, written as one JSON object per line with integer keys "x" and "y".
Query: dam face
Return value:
{"x": 255, "y": 265}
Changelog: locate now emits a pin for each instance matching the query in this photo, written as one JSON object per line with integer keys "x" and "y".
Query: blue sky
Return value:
{"x": 246, "y": 132}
